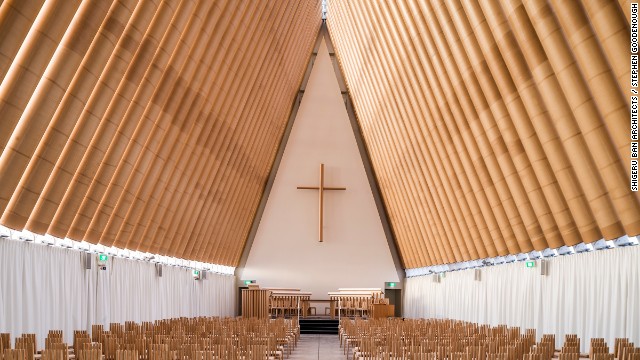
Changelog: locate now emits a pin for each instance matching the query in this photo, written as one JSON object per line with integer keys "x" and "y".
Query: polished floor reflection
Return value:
{"x": 311, "y": 347}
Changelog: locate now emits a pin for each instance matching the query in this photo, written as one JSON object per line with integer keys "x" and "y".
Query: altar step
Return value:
{"x": 319, "y": 326}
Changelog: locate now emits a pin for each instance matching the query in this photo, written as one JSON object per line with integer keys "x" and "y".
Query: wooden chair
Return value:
{"x": 362, "y": 305}
{"x": 598, "y": 347}
{"x": 159, "y": 352}
{"x": 55, "y": 354}
{"x": 96, "y": 332}
{"x": 126, "y": 355}
{"x": 27, "y": 343}
{"x": 80, "y": 337}
{"x": 89, "y": 353}
{"x": 569, "y": 356}
{"x": 111, "y": 345}
{"x": 628, "y": 352}
{"x": 13, "y": 354}
{"x": 5, "y": 341}
{"x": 619, "y": 343}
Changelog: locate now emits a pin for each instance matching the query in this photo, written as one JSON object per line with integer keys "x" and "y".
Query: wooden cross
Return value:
{"x": 321, "y": 189}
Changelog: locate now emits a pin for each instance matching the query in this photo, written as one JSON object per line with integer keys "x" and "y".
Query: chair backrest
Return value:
{"x": 156, "y": 354}
{"x": 126, "y": 355}
{"x": 59, "y": 346}
{"x": 618, "y": 344}
{"x": 111, "y": 345}
{"x": 89, "y": 353}
{"x": 96, "y": 332}
{"x": 569, "y": 356}
{"x": 5, "y": 340}
{"x": 79, "y": 341}
{"x": 55, "y": 354}
{"x": 27, "y": 343}
{"x": 13, "y": 354}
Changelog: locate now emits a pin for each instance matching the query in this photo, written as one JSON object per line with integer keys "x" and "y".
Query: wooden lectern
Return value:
{"x": 255, "y": 302}
{"x": 382, "y": 311}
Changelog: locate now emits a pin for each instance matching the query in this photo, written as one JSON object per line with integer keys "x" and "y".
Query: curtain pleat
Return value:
{"x": 46, "y": 288}
{"x": 592, "y": 295}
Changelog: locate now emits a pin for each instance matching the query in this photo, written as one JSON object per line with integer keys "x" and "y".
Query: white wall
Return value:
{"x": 286, "y": 251}
{"x": 46, "y": 288}
{"x": 593, "y": 295}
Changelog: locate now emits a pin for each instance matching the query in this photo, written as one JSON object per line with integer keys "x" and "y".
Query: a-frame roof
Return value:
{"x": 493, "y": 127}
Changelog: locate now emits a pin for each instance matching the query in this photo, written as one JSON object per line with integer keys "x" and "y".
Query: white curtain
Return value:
{"x": 595, "y": 294}
{"x": 46, "y": 288}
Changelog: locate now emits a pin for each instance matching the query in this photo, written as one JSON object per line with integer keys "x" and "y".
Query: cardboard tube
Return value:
{"x": 390, "y": 143}
{"x": 188, "y": 223}
{"x": 470, "y": 124}
{"x": 448, "y": 129}
{"x": 336, "y": 28}
{"x": 438, "y": 165}
{"x": 230, "y": 225}
{"x": 424, "y": 170}
{"x": 409, "y": 232}
{"x": 625, "y": 6}
{"x": 186, "y": 164}
{"x": 28, "y": 67}
{"x": 151, "y": 160}
{"x": 76, "y": 146}
{"x": 609, "y": 23}
{"x": 188, "y": 208}
{"x": 68, "y": 115}
{"x": 595, "y": 131}
{"x": 179, "y": 242}
{"x": 16, "y": 19}
{"x": 456, "y": 180}
{"x": 465, "y": 145}
{"x": 149, "y": 129}
{"x": 596, "y": 72}
{"x": 128, "y": 122}
{"x": 135, "y": 48}
{"x": 37, "y": 114}
{"x": 559, "y": 112}
{"x": 185, "y": 128}
{"x": 539, "y": 221}
{"x": 220, "y": 219}
{"x": 534, "y": 128}
{"x": 523, "y": 145}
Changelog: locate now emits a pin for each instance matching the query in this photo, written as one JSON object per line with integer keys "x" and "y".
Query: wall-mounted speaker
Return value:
{"x": 203, "y": 275}
{"x": 477, "y": 275}
{"x": 87, "y": 260}
{"x": 544, "y": 267}
{"x": 159, "y": 270}
{"x": 436, "y": 278}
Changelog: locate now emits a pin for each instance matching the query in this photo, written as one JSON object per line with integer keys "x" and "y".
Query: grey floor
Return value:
{"x": 311, "y": 347}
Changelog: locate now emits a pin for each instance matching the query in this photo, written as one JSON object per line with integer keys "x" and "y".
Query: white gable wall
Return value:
{"x": 286, "y": 251}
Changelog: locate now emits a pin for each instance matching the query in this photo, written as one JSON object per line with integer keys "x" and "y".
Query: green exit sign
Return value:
{"x": 248, "y": 282}
{"x": 196, "y": 272}
{"x": 530, "y": 264}
{"x": 391, "y": 284}
{"x": 103, "y": 257}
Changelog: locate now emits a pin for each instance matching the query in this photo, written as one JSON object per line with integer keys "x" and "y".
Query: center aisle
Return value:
{"x": 312, "y": 347}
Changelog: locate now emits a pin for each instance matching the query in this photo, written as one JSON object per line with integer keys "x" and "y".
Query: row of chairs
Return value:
{"x": 437, "y": 339}
{"x": 288, "y": 306}
{"x": 175, "y": 339}
{"x": 356, "y": 306}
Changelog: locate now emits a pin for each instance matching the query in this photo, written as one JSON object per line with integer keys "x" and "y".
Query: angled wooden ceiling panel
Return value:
{"x": 149, "y": 125}
{"x": 494, "y": 127}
